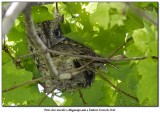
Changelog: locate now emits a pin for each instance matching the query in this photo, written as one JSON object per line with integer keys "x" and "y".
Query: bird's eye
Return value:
{"x": 57, "y": 33}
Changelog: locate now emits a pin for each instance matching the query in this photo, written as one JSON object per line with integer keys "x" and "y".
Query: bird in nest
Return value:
{"x": 73, "y": 71}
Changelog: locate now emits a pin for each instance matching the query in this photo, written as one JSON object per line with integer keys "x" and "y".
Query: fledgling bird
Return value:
{"x": 70, "y": 75}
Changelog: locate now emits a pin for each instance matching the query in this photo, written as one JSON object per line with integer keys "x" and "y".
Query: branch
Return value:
{"x": 77, "y": 70}
{"x": 5, "y": 8}
{"x": 102, "y": 59}
{"x": 12, "y": 10}
{"x": 115, "y": 51}
{"x": 141, "y": 13}
{"x": 17, "y": 61}
{"x": 25, "y": 83}
{"x": 41, "y": 3}
{"x": 11, "y": 14}
{"x": 36, "y": 41}
{"x": 81, "y": 96}
{"x": 117, "y": 88}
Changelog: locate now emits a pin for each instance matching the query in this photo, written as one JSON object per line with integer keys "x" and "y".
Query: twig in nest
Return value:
{"x": 81, "y": 96}
{"x": 25, "y": 83}
{"x": 102, "y": 59}
{"x": 77, "y": 70}
{"x": 118, "y": 89}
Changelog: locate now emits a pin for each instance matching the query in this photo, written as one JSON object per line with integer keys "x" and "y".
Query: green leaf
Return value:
{"x": 107, "y": 41}
{"x": 24, "y": 95}
{"x": 41, "y": 13}
{"x": 11, "y": 77}
{"x": 133, "y": 21}
{"x": 19, "y": 41}
{"x": 91, "y": 95}
{"x": 5, "y": 58}
{"x": 82, "y": 37}
{"x": 107, "y": 15}
{"x": 38, "y": 97}
{"x": 109, "y": 95}
{"x": 145, "y": 42}
{"x": 148, "y": 86}
{"x": 101, "y": 15}
{"x": 123, "y": 100}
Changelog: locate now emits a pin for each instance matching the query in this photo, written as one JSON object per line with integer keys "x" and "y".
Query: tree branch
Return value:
{"x": 5, "y": 8}
{"x": 12, "y": 10}
{"x": 102, "y": 59}
{"x": 11, "y": 14}
{"x": 40, "y": 3}
{"x": 36, "y": 41}
{"x": 17, "y": 61}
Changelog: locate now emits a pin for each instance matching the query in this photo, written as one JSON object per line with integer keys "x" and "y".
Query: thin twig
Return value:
{"x": 22, "y": 84}
{"x": 40, "y": 3}
{"x": 45, "y": 97}
{"x": 102, "y": 59}
{"x": 113, "y": 53}
{"x": 78, "y": 70}
{"x": 81, "y": 96}
{"x": 26, "y": 55}
{"x": 117, "y": 88}
{"x": 57, "y": 11}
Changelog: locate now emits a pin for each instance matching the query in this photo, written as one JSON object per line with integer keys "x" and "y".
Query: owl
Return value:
{"x": 73, "y": 72}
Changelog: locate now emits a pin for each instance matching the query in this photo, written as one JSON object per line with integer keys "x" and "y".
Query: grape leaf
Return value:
{"x": 148, "y": 86}
{"x": 107, "y": 15}
{"x": 91, "y": 95}
{"x": 12, "y": 77}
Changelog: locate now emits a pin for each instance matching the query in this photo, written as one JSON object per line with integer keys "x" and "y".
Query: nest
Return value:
{"x": 73, "y": 72}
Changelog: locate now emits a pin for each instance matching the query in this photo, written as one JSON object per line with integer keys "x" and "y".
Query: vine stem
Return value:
{"x": 82, "y": 97}
{"x": 117, "y": 88}
{"x": 25, "y": 83}
{"x": 115, "y": 51}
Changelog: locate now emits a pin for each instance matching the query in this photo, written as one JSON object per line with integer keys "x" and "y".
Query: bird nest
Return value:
{"x": 73, "y": 73}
